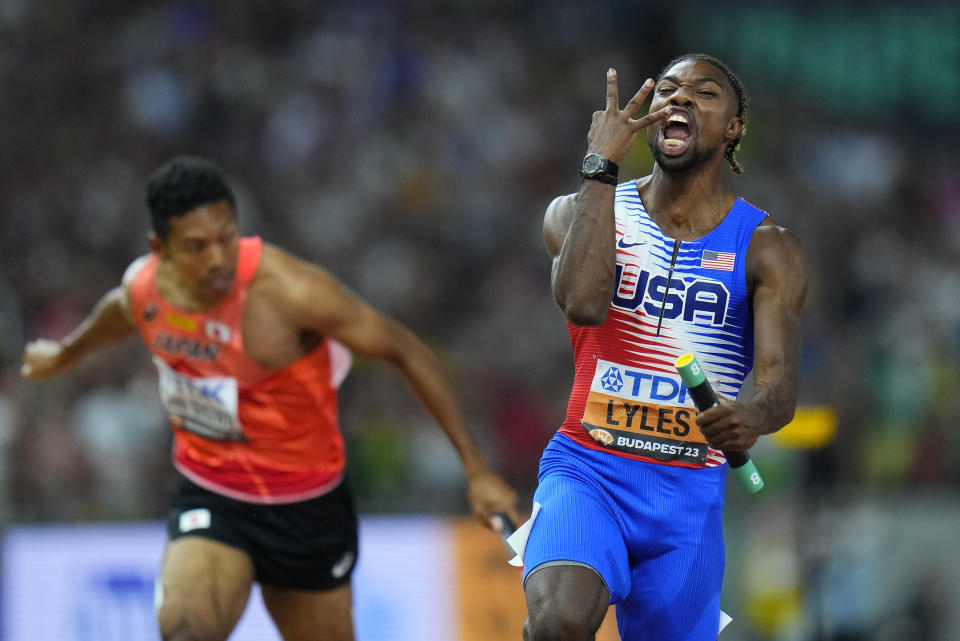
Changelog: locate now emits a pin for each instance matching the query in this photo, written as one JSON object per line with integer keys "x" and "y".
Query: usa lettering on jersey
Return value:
{"x": 698, "y": 300}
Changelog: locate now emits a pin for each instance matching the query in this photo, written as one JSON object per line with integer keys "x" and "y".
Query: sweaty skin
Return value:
{"x": 290, "y": 305}
{"x": 580, "y": 237}
{"x": 286, "y": 299}
{"x": 686, "y": 198}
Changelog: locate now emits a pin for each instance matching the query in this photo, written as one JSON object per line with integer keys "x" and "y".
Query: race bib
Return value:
{"x": 639, "y": 412}
{"x": 205, "y": 405}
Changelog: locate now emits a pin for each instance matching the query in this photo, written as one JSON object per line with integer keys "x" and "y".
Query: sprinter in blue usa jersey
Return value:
{"x": 630, "y": 496}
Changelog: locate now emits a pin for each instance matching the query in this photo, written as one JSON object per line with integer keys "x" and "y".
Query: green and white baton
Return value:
{"x": 704, "y": 398}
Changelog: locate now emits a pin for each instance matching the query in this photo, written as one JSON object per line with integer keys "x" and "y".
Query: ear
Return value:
{"x": 735, "y": 128}
{"x": 157, "y": 246}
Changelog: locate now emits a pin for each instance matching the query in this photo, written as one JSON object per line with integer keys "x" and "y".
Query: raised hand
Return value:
{"x": 613, "y": 130}
{"x": 42, "y": 359}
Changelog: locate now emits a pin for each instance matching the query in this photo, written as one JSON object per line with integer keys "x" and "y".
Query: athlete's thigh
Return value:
{"x": 575, "y": 559}
{"x": 303, "y": 615}
{"x": 676, "y": 594}
{"x": 577, "y": 525}
{"x": 204, "y": 587}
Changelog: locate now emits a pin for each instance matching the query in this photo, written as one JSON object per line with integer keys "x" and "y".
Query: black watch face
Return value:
{"x": 592, "y": 163}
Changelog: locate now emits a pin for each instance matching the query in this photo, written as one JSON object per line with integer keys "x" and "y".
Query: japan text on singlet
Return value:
{"x": 258, "y": 435}
{"x": 627, "y": 397}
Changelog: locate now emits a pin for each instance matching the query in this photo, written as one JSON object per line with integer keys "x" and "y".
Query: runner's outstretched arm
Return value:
{"x": 109, "y": 321}
{"x": 313, "y": 299}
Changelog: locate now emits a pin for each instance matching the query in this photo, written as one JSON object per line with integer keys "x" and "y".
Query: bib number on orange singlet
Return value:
{"x": 204, "y": 405}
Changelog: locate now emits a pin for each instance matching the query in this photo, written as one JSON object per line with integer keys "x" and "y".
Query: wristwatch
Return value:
{"x": 596, "y": 167}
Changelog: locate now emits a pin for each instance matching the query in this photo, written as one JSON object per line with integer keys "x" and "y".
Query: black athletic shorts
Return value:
{"x": 308, "y": 545}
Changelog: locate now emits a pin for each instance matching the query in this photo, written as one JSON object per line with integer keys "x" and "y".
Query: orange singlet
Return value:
{"x": 253, "y": 434}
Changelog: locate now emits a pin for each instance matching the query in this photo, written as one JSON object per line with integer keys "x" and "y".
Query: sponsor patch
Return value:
{"x": 218, "y": 331}
{"x": 198, "y": 519}
{"x": 643, "y": 413}
{"x": 603, "y": 436}
{"x": 343, "y": 565}
{"x": 185, "y": 323}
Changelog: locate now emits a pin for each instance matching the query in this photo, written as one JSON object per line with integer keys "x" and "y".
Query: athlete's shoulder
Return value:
{"x": 775, "y": 252}
{"x": 286, "y": 278}
{"x": 772, "y": 245}
{"x": 556, "y": 221}
{"x": 133, "y": 291}
{"x": 768, "y": 230}
{"x": 279, "y": 263}
{"x": 133, "y": 269}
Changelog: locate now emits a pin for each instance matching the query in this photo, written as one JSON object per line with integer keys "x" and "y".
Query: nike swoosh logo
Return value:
{"x": 623, "y": 245}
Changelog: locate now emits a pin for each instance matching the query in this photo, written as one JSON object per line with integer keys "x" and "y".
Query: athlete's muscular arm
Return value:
{"x": 312, "y": 299}
{"x": 776, "y": 271}
{"x": 109, "y": 321}
{"x": 579, "y": 229}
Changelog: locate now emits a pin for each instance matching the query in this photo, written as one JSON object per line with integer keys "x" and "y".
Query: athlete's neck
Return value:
{"x": 685, "y": 205}
{"x": 177, "y": 291}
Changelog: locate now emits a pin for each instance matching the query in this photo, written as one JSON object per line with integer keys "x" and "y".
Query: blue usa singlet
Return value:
{"x": 628, "y": 486}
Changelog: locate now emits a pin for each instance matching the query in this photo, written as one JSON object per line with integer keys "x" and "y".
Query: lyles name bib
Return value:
{"x": 643, "y": 413}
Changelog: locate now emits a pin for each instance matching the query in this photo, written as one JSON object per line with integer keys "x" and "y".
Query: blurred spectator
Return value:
{"x": 412, "y": 151}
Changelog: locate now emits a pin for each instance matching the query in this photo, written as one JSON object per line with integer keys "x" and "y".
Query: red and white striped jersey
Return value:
{"x": 671, "y": 298}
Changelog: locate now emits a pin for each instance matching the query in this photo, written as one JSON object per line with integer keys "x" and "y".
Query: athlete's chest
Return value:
{"x": 669, "y": 280}
{"x": 269, "y": 339}
{"x": 243, "y": 333}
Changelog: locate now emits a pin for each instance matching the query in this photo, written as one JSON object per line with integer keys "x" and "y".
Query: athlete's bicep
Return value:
{"x": 776, "y": 264}
{"x": 363, "y": 329}
{"x": 314, "y": 299}
{"x": 556, "y": 223}
{"x": 123, "y": 295}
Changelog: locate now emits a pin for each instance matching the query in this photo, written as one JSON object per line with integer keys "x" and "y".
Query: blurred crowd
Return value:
{"x": 411, "y": 149}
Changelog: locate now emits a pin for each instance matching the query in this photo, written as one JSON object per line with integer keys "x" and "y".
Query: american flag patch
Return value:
{"x": 717, "y": 260}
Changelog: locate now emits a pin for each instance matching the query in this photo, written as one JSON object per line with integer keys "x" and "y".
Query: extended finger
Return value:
{"x": 649, "y": 119}
{"x": 613, "y": 92}
{"x": 636, "y": 102}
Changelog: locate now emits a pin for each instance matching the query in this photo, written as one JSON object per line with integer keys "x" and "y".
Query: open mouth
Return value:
{"x": 220, "y": 281}
{"x": 676, "y": 132}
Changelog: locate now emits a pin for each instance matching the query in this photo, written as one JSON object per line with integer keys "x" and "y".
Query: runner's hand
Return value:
{"x": 730, "y": 426}
{"x": 42, "y": 359}
{"x": 488, "y": 493}
{"x": 613, "y": 131}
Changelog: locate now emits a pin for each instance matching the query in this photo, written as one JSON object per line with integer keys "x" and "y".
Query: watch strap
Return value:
{"x": 608, "y": 175}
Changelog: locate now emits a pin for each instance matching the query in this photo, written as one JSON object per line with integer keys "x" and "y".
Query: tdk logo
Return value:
{"x": 698, "y": 302}
{"x": 611, "y": 380}
{"x": 625, "y": 382}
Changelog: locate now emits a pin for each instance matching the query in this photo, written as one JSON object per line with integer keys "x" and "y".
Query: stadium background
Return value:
{"x": 411, "y": 147}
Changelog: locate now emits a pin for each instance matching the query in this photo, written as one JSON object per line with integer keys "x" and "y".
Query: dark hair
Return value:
{"x": 737, "y": 88}
{"x": 181, "y": 185}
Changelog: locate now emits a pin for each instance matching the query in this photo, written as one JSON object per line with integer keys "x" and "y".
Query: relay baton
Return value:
{"x": 704, "y": 398}
{"x": 505, "y": 528}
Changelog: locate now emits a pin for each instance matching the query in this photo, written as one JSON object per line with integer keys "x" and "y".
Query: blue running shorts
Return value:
{"x": 653, "y": 533}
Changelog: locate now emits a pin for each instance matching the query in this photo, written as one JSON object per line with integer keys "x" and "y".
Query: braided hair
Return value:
{"x": 731, "y": 150}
